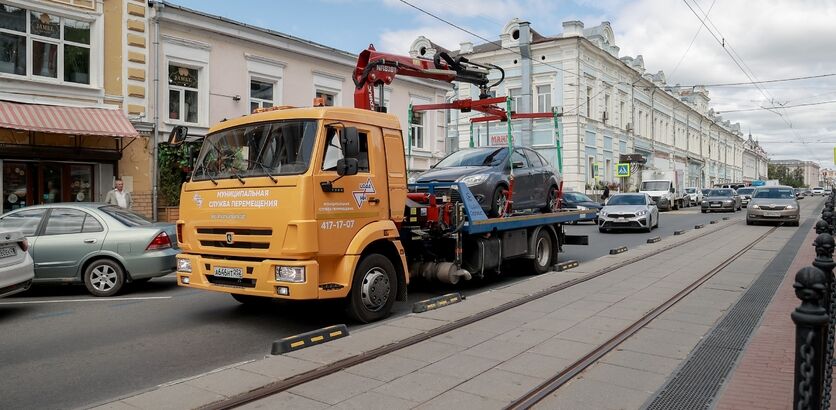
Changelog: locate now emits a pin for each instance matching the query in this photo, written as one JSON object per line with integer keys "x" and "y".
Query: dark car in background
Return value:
{"x": 745, "y": 194}
{"x": 486, "y": 172}
{"x": 579, "y": 201}
{"x": 721, "y": 199}
{"x": 102, "y": 246}
{"x": 773, "y": 204}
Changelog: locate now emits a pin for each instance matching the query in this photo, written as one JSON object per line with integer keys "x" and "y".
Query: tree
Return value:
{"x": 786, "y": 176}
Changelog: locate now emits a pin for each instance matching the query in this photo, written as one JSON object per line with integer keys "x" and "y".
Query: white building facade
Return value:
{"x": 212, "y": 68}
{"x": 810, "y": 170}
{"x": 609, "y": 106}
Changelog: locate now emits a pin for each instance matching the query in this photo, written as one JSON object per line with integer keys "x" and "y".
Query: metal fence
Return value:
{"x": 815, "y": 319}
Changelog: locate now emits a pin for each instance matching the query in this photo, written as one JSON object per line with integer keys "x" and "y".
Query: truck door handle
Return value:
{"x": 374, "y": 200}
{"x": 89, "y": 241}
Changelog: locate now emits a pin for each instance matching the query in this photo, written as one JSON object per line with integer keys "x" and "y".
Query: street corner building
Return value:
{"x": 72, "y": 102}
{"x": 606, "y": 108}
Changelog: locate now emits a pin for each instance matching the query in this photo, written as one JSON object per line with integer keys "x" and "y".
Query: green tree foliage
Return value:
{"x": 786, "y": 176}
{"x": 174, "y": 164}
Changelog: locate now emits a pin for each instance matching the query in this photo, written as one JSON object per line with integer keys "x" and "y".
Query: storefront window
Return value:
{"x": 15, "y": 190}
{"x": 44, "y": 45}
{"x": 81, "y": 183}
{"x": 50, "y": 184}
{"x": 183, "y": 93}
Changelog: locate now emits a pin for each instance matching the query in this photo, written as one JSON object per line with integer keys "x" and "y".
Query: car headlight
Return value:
{"x": 641, "y": 213}
{"x": 412, "y": 180}
{"x": 728, "y": 202}
{"x": 602, "y": 213}
{"x": 756, "y": 206}
{"x": 704, "y": 202}
{"x": 184, "y": 265}
{"x": 294, "y": 274}
{"x": 790, "y": 207}
{"x": 582, "y": 208}
{"x": 472, "y": 180}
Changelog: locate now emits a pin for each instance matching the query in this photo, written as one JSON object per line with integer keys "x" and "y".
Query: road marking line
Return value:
{"x": 32, "y": 302}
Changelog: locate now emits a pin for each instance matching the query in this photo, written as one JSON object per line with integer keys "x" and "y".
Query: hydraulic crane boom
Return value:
{"x": 377, "y": 69}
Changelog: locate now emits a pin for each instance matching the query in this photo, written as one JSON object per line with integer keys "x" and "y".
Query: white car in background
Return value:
{"x": 818, "y": 191}
{"x": 16, "y": 267}
{"x": 694, "y": 195}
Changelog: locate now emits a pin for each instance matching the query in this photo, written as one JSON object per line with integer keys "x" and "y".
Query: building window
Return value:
{"x": 544, "y": 98}
{"x": 327, "y": 97}
{"x": 183, "y": 85}
{"x": 621, "y": 114}
{"x": 514, "y": 94}
{"x": 590, "y": 171}
{"x": 44, "y": 45}
{"x": 262, "y": 94}
{"x": 607, "y": 113}
{"x": 608, "y": 169}
{"x": 588, "y": 102}
{"x": 417, "y": 127}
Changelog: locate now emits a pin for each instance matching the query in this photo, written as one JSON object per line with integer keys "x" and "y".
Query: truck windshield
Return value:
{"x": 481, "y": 157}
{"x": 690, "y": 190}
{"x": 656, "y": 186}
{"x": 274, "y": 148}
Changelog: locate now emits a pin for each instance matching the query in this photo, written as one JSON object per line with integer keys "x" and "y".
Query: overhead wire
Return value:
{"x": 699, "y": 29}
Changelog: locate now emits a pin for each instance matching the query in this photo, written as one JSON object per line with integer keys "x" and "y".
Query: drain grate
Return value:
{"x": 697, "y": 381}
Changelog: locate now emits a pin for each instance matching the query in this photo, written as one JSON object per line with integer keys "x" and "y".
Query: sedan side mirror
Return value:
{"x": 518, "y": 164}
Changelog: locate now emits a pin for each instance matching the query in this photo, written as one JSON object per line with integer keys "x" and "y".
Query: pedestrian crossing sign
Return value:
{"x": 622, "y": 170}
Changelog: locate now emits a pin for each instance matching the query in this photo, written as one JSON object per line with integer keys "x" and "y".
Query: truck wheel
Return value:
{"x": 373, "y": 289}
{"x": 498, "y": 201}
{"x": 104, "y": 277}
{"x": 543, "y": 253}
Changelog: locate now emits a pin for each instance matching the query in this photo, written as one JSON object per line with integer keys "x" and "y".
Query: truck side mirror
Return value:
{"x": 350, "y": 143}
{"x": 347, "y": 166}
{"x": 178, "y": 135}
{"x": 673, "y": 190}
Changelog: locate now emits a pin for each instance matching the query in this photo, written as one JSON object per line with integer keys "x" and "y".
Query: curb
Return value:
{"x": 308, "y": 339}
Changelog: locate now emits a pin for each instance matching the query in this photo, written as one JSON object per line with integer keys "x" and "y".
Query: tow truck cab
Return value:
{"x": 284, "y": 203}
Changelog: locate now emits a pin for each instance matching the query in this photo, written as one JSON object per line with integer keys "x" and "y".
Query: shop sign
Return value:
{"x": 45, "y": 26}
{"x": 182, "y": 76}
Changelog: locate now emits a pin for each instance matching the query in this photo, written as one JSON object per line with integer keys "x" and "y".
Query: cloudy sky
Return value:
{"x": 772, "y": 39}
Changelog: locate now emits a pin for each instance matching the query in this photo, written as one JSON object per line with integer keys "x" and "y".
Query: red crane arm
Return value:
{"x": 376, "y": 69}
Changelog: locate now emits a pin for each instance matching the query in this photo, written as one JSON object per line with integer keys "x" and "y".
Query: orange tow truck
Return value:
{"x": 313, "y": 203}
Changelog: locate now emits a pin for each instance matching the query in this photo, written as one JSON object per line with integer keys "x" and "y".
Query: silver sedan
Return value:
{"x": 773, "y": 204}
{"x": 102, "y": 246}
{"x": 629, "y": 211}
{"x": 15, "y": 263}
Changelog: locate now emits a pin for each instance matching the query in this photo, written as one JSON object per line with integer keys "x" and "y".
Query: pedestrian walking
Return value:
{"x": 606, "y": 193}
{"x": 118, "y": 196}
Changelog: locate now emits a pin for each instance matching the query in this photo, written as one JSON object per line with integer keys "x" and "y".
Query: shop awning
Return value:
{"x": 65, "y": 120}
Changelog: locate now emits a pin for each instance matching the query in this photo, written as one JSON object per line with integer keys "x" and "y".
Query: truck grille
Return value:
{"x": 242, "y": 238}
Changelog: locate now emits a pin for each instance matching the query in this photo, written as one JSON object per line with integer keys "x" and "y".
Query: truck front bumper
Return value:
{"x": 257, "y": 278}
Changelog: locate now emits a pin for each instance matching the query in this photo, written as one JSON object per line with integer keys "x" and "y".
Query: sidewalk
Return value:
{"x": 763, "y": 378}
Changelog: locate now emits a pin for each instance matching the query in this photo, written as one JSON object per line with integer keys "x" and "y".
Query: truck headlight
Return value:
{"x": 184, "y": 265}
{"x": 472, "y": 180}
{"x": 294, "y": 274}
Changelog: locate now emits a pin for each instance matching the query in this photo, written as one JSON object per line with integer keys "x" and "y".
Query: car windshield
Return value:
{"x": 126, "y": 217}
{"x": 627, "y": 200}
{"x": 474, "y": 158}
{"x": 745, "y": 191}
{"x": 576, "y": 197}
{"x": 277, "y": 148}
{"x": 774, "y": 193}
{"x": 655, "y": 186}
{"x": 721, "y": 192}
{"x": 690, "y": 190}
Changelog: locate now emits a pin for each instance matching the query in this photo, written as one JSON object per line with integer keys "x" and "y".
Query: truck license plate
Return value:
{"x": 7, "y": 252}
{"x": 772, "y": 214}
{"x": 235, "y": 273}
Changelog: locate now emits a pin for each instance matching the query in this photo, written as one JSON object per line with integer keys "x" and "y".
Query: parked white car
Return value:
{"x": 16, "y": 266}
{"x": 818, "y": 191}
{"x": 694, "y": 195}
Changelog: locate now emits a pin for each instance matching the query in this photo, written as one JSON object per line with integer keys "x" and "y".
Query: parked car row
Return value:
{"x": 101, "y": 246}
